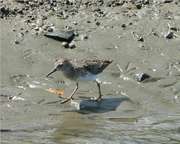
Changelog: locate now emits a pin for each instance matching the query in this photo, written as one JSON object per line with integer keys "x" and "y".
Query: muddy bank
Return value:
{"x": 141, "y": 88}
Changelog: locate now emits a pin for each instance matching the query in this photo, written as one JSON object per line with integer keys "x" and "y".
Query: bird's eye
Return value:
{"x": 59, "y": 66}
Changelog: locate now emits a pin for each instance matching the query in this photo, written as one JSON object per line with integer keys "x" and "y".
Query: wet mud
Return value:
{"x": 141, "y": 88}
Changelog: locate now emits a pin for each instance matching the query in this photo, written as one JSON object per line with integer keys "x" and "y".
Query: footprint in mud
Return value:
{"x": 10, "y": 94}
{"x": 27, "y": 55}
{"x": 19, "y": 80}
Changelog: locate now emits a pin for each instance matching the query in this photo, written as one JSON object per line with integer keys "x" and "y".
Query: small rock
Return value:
{"x": 66, "y": 36}
{"x": 4, "y": 11}
{"x": 65, "y": 44}
{"x": 138, "y": 37}
{"x": 44, "y": 17}
{"x": 141, "y": 76}
{"x": 98, "y": 23}
{"x": 50, "y": 29}
{"x": 168, "y": 1}
{"x": 26, "y": 31}
{"x": 72, "y": 45}
{"x": 138, "y": 5}
{"x": 76, "y": 33}
{"x": 75, "y": 23}
{"x": 84, "y": 37}
{"x": 155, "y": 34}
{"x": 141, "y": 39}
{"x": 17, "y": 42}
{"x": 123, "y": 25}
{"x": 115, "y": 3}
{"x": 33, "y": 25}
{"x": 174, "y": 29}
{"x": 169, "y": 35}
{"x": 36, "y": 28}
{"x": 20, "y": 11}
{"x": 40, "y": 22}
{"x": 20, "y": 1}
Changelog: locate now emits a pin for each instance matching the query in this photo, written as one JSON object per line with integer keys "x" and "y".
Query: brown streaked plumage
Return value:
{"x": 81, "y": 70}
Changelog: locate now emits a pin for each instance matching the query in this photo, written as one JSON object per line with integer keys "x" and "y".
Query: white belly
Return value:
{"x": 88, "y": 77}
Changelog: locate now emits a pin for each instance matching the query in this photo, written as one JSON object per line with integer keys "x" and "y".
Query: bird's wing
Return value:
{"x": 96, "y": 66}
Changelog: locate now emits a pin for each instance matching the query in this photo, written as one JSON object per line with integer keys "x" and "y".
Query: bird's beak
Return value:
{"x": 54, "y": 70}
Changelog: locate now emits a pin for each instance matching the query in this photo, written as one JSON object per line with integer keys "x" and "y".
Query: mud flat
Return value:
{"x": 141, "y": 87}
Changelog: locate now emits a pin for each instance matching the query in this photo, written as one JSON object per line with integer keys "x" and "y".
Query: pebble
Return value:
{"x": 13, "y": 29}
{"x": 33, "y": 25}
{"x": 40, "y": 22}
{"x": 65, "y": 44}
{"x": 141, "y": 39}
{"x": 98, "y": 23}
{"x": 169, "y": 35}
{"x": 141, "y": 76}
{"x": 130, "y": 23}
{"x": 69, "y": 45}
{"x": 174, "y": 29}
{"x": 75, "y": 23}
{"x": 36, "y": 28}
{"x": 138, "y": 5}
{"x": 50, "y": 29}
{"x": 17, "y": 42}
{"x": 123, "y": 25}
{"x": 168, "y": 1}
{"x": 72, "y": 45}
{"x": 84, "y": 37}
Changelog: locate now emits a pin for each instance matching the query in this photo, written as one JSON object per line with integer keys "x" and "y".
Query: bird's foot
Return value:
{"x": 52, "y": 102}
{"x": 97, "y": 99}
{"x": 66, "y": 100}
{"x": 61, "y": 97}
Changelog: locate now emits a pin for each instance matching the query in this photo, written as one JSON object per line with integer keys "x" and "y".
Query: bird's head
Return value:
{"x": 59, "y": 64}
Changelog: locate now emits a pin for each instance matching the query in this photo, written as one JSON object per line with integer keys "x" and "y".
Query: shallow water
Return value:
{"x": 131, "y": 112}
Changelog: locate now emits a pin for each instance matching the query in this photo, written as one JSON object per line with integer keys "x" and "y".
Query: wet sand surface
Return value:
{"x": 132, "y": 112}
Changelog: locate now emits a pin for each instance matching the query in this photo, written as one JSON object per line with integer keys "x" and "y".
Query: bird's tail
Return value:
{"x": 106, "y": 63}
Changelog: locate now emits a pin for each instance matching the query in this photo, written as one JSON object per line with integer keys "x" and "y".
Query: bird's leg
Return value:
{"x": 70, "y": 97}
{"x": 99, "y": 89}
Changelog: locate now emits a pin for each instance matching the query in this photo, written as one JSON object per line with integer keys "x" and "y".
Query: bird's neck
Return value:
{"x": 68, "y": 70}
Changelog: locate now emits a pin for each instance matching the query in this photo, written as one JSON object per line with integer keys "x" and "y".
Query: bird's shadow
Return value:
{"x": 105, "y": 105}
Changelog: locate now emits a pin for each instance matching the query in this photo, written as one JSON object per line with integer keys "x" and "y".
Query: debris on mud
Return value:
{"x": 59, "y": 92}
{"x": 170, "y": 35}
{"x": 140, "y": 77}
{"x": 138, "y": 37}
{"x": 83, "y": 37}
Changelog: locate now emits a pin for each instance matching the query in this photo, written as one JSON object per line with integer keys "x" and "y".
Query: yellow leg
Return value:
{"x": 70, "y": 97}
{"x": 99, "y": 90}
